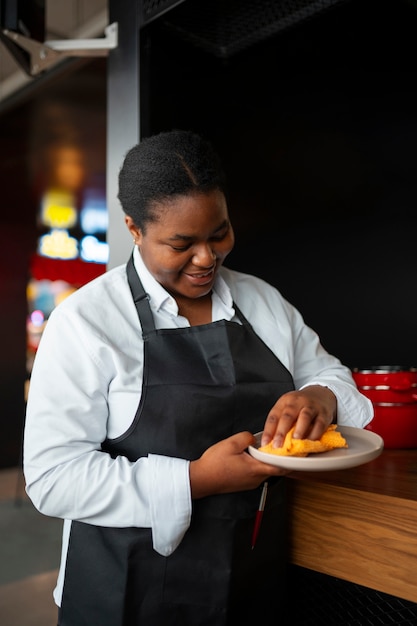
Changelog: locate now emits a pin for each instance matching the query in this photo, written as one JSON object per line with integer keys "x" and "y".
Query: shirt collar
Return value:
{"x": 159, "y": 298}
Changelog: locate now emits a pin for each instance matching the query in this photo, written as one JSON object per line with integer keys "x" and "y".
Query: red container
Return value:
{"x": 396, "y": 424}
{"x": 393, "y": 393}
{"x": 391, "y": 379}
{"x": 384, "y": 394}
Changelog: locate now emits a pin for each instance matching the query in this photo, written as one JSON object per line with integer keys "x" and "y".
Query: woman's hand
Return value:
{"x": 226, "y": 467}
{"x": 310, "y": 410}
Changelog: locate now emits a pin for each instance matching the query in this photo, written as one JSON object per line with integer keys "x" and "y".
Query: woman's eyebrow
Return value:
{"x": 224, "y": 224}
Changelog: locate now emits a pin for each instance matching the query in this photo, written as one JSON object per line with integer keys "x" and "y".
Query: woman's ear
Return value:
{"x": 133, "y": 229}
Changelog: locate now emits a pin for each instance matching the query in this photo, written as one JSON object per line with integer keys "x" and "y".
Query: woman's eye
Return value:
{"x": 219, "y": 237}
{"x": 188, "y": 245}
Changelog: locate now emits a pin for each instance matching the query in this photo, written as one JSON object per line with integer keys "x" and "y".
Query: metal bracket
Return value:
{"x": 43, "y": 55}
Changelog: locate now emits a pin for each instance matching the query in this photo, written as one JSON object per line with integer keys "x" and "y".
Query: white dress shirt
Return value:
{"x": 86, "y": 386}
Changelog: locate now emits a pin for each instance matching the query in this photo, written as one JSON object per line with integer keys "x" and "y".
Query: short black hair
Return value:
{"x": 165, "y": 165}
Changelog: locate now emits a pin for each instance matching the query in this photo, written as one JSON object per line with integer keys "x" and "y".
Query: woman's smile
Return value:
{"x": 201, "y": 278}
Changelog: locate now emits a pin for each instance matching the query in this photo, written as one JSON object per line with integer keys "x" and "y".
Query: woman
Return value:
{"x": 148, "y": 385}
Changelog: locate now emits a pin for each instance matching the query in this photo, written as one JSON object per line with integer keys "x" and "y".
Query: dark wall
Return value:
{"x": 317, "y": 126}
{"x": 16, "y": 239}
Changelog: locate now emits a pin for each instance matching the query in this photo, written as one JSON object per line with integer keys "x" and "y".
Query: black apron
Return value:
{"x": 201, "y": 384}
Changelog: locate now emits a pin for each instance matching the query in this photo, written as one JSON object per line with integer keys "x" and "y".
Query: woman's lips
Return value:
{"x": 201, "y": 278}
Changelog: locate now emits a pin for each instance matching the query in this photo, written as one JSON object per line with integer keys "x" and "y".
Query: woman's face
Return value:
{"x": 187, "y": 244}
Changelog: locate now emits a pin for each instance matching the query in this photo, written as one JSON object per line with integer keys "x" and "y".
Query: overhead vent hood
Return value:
{"x": 223, "y": 28}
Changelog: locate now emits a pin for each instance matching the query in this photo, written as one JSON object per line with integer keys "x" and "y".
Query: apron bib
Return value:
{"x": 201, "y": 384}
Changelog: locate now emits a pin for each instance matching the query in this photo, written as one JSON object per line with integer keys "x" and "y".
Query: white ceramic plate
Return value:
{"x": 364, "y": 446}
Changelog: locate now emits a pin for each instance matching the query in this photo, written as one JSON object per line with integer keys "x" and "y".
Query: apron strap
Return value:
{"x": 140, "y": 298}
{"x": 241, "y": 316}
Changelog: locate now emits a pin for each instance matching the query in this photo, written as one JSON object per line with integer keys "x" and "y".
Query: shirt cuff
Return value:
{"x": 353, "y": 408}
{"x": 170, "y": 501}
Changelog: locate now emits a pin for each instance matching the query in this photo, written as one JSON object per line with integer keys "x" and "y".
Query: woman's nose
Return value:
{"x": 204, "y": 255}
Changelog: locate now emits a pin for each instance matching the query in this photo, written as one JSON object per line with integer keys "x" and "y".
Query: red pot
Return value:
{"x": 392, "y": 390}
{"x": 394, "y": 376}
{"x": 396, "y": 424}
{"x": 387, "y": 383}
{"x": 383, "y": 393}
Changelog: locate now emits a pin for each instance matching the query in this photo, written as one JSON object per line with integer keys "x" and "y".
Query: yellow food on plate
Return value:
{"x": 329, "y": 440}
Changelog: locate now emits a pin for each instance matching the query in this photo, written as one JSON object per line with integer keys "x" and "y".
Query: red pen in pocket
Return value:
{"x": 259, "y": 514}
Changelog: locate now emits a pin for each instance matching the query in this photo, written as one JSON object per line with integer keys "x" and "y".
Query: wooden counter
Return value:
{"x": 359, "y": 524}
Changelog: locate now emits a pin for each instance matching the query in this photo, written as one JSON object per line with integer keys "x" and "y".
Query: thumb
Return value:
{"x": 240, "y": 441}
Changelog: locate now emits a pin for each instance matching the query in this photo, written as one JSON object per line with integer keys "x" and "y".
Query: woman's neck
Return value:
{"x": 197, "y": 310}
